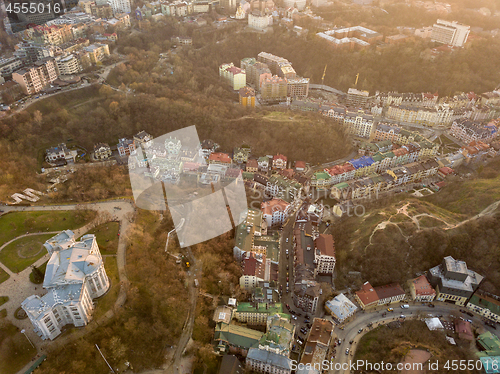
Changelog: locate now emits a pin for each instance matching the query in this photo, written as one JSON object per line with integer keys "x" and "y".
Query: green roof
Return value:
{"x": 251, "y": 308}
{"x": 321, "y": 175}
{"x": 388, "y": 154}
{"x": 341, "y": 185}
{"x": 377, "y": 157}
{"x": 243, "y": 239}
{"x": 263, "y": 158}
{"x": 247, "y": 175}
{"x": 489, "y": 343}
{"x": 237, "y": 335}
{"x": 483, "y": 302}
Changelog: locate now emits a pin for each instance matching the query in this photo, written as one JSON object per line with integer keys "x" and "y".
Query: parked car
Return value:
{"x": 351, "y": 341}
{"x": 347, "y": 351}
{"x": 360, "y": 331}
{"x": 287, "y": 240}
{"x": 390, "y": 309}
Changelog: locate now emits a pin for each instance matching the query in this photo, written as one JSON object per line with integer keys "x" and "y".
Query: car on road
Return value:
{"x": 286, "y": 251}
{"x": 405, "y": 306}
{"x": 402, "y": 316}
{"x": 390, "y": 309}
{"x": 347, "y": 351}
{"x": 286, "y": 266}
{"x": 287, "y": 306}
{"x": 294, "y": 317}
{"x": 287, "y": 240}
{"x": 360, "y": 331}
{"x": 432, "y": 306}
{"x": 351, "y": 341}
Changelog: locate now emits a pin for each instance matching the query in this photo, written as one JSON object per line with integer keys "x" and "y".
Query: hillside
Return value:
{"x": 409, "y": 235}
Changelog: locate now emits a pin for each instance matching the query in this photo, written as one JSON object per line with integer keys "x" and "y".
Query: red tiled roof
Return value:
{"x": 463, "y": 329}
{"x": 268, "y": 207}
{"x": 325, "y": 245}
{"x": 390, "y": 290}
{"x": 422, "y": 286}
{"x": 367, "y": 294}
{"x": 221, "y": 157}
{"x": 446, "y": 170}
{"x": 280, "y": 157}
{"x": 300, "y": 164}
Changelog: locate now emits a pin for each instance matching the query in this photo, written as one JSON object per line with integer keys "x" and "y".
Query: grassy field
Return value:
{"x": 107, "y": 237}
{"x": 15, "y": 224}
{"x": 23, "y": 252}
{"x": 104, "y": 303}
{"x": 15, "y": 350}
{"x": 3, "y": 300}
{"x": 3, "y": 276}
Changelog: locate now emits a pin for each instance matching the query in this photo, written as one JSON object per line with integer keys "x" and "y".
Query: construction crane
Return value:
{"x": 356, "y": 84}
{"x": 323, "y": 77}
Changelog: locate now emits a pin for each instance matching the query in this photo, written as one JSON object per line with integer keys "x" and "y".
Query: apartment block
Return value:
{"x": 68, "y": 65}
{"x": 235, "y": 76}
{"x": 97, "y": 52}
{"x": 297, "y": 87}
{"x": 324, "y": 254}
{"x": 421, "y": 290}
{"x": 33, "y": 79}
{"x": 468, "y": 131}
{"x": 247, "y": 97}
{"x": 274, "y": 89}
{"x": 451, "y": 33}
{"x": 120, "y": 6}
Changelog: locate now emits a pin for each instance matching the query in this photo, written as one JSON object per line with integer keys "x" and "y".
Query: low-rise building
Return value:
{"x": 235, "y": 76}
{"x": 341, "y": 308}
{"x": 235, "y": 339}
{"x": 486, "y": 306}
{"x": 370, "y": 296}
{"x": 468, "y": 131}
{"x": 306, "y": 296}
{"x": 263, "y": 361}
{"x": 126, "y": 147}
{"x": 102, "y": 151}
{"x": 60, "y": 153}
{"x": 421, "y": 290}
{"x": 316, "y": 346}
{"x": 256, "y": 313}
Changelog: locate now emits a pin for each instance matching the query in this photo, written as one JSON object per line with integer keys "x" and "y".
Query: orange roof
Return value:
{"x": 367, "y": 294}
{"x": 422, "y": 286}
{"x": 280, "y": 157}
{"x": 400, "y": 152}
{"x": 220, "y": 157}
{"x": 268, "y": 207}
{"x": 325, "y": 245}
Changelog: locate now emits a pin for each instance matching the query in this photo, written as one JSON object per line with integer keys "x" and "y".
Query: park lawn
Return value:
{"x": 107, "y": 237}
{"x": 3, "y": 276}
{"x": 30, "y": 247}
{"x": 15, "y": 224}
{"x": 15, "y": 350}
{"x": 106, "y": 302}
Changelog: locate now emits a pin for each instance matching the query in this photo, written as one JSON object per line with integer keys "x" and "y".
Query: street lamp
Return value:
{"x": 23, "y": 331}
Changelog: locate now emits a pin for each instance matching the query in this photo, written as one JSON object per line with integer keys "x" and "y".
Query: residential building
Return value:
{"x": 279, "y": 335}
{"x": 68, "y": 65}
{"x": 9, "y": 65}
{"x": 256, "y": 314}
{"x": 350, "y": 37}
{"x": 451, "y": 33}
{"x": 255, "y": 269}
{"x": 74, "y": 276}
{"x": 486, "y": 306}
{"x": 241, "y": 154}
{"x": 120, "y": 6}
{"x": 247, "y": 97}
{"x": 97, "y": 52}
{"x": 263, "y": 361}
{"x": 468, "y": 131}
{"x": 263, "y": 163}
{"x": 324, "y": 254}
{"x": 421, "y": 290}
{"x": 145, "y": 140}
{"x": 370, "y": 296}
{"x": 102, "y": 151}
{"x": 52, "y": 35}
{"x": 274, "y": 89}
{"x": 126, "y": 147}
{"x": 60, "y": 153}
{"x": 273, "y": 62}
{"x": 281, "y": 188}
{"x": 341, "y": 308}
{"x": 358, "y": 123}
{"x": 297, "y": 87}
{"x": 306, "y": 296}
{"x": 235, "y": 76}
{"x": 316, "y": 347}
{"x": 219, "y": 158}
{"x": 357, "y": 98}
{"x": 252, "y": 166}
{"x": 275, "y": 212}
{"x": 36, "y": 77}
{"x": 279, "y": 162}
{"x": 453, "y": 281}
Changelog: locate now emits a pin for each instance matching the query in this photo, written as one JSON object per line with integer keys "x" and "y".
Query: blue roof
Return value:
{"x": 361, "y": 162}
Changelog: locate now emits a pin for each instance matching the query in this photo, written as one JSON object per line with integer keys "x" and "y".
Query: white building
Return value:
{"x": 451, "y": 33}
{"x": 74, "y": 276}
{"x": 235, "y": 76}
{"x": 324, "y": 254}
{"x": 340, "y": 307}
{"x": 259, "y": 21}
{"x": 275, "y": 212}
{"x": 359, "y": 124}
{"x": 120, "y": 6}
{"x": 68, "y": 65}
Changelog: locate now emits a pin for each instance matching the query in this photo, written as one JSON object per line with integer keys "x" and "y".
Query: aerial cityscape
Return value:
{"x": 252, "y": 186}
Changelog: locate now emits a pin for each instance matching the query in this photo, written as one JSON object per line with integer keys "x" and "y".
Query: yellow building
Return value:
{"x": 247, "y": 97}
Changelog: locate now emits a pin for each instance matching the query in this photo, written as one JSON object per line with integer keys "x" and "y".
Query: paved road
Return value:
{"x": 362, "y": 319}
{"x": 18, "y": 286}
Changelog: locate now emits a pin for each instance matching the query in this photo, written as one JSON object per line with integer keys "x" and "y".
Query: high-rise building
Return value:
{"x": 451, "y": 33}
{"x": 119, "y": 6}
{"x": 357, "y": 98}
{"x": 274, "y": 89}
{"x": 33, "y": 79}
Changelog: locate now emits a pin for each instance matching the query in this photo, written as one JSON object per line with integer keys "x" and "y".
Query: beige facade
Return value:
{"x": 34, "y": 78}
